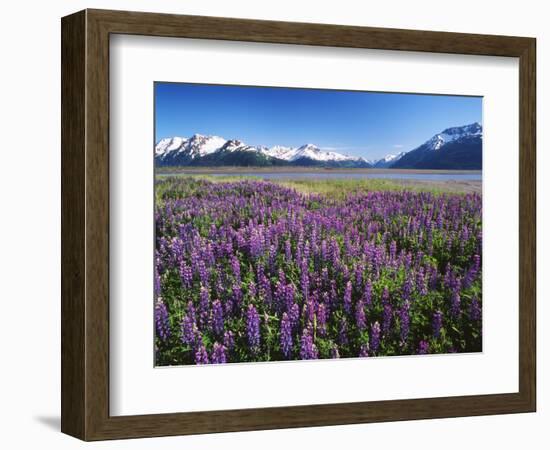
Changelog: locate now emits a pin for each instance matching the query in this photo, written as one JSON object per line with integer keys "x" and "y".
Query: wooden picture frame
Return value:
{"x": 85, "y": 224}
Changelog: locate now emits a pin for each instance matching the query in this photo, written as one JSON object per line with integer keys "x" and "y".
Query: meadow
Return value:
{"x": 249, "y": 270}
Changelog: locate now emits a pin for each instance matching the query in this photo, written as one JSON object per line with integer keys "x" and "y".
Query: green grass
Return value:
{"x": 339, "y": 188}
{"x": 330, "y": 187}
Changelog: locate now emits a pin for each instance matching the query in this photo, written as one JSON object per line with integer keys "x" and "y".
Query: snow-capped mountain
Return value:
{"x": 310, "y": 151}
{"x": 214, "y": 150}
{"x": 234, "y": 145}
{"x": 280, "y": 152}
{"x": 179, "y": 150}
{"x": 453, "y": 148}
{"x": 168, "y": 145}
{"x": 452, "y": 134}
{"x": 456, "y": 148}
{"x": 388, "y": 160}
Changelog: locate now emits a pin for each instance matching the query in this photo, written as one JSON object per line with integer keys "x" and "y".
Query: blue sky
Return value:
{"x": 368, "y": 124}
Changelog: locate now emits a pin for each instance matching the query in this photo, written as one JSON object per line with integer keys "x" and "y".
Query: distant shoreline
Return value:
{"x": 320, "y": 175}
{"x": 244, "y": 169}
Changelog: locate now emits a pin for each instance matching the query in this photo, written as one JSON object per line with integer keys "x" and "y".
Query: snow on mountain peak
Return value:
{"x": 234, "y": 145}
{"x": 279, "y": 152}
{"x": 167, "y": 145}
{"x": 311, "y": 147}
{"x": 200, "y": 145}
{"x": 310, "y": 151}
{"x": 197, "y": 145}
{"x": 388, "y": 160}
{"x": 182, "y": 150}
{"x": 454, "y": 133}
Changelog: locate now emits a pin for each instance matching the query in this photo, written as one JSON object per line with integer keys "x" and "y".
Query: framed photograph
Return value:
{"x": 273, "y": 225}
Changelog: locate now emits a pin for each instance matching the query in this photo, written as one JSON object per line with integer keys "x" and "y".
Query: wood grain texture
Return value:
{"x": 85, "y": 224}
{"x": 73, "y": 109}
{"x": 527, "y": 224}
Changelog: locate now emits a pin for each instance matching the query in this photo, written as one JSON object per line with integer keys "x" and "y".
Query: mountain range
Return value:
{"x": 453, "y": 148}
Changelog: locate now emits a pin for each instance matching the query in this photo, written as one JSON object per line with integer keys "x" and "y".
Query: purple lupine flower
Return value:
{"x": 393, "y": 250}
{"x": 288, "y": 251}
{"x": 282, "y": 277}
{"x": 279, "y": 296}
{"x": 272, "y": 257}
{"x": 345, "y": 272}
{"x": 404, "y": 320}
{"x": 217, "y": 317}
{"x": 407, "y": 288}
{"x": 465, "y": 234}
{"x": 434, "y": 278}
{"x": 475, "y": 310}
{"x": 157, "y": 286}
{"x": 218, "y": 355}
{"x": 309, "y": 312}
{"x": 387, "y": 314}
{"x": 304, "y": 278}
{"x": 294, "y": 315}
{"x": 423, "y": 348}
{"x": 237, "y": 296}
{"x": 347, "y": 297}
{"x": 219, "y": 286}
{"x": 360, "y": 317}
{"x": 449, "y": 243}
{"x": 375, "y": 337}
{"x": 468, "y": 279}
{"x": 253, "y": 328}
{"x": 255, "y": 245}
{"x": 343, "y": 332}
{"x": 437, "y": 323}
{"x": 367, "y": 295}
{"x": 201, "y": 355}
{"x": 191, "y": 311}
{"x": 322, "y": 316}
{"x": 307, "y": 250}
{"x": 265, "y": 290}
{"x": 324, "y": 250}
{"x": 421, "y": 282}
{"x": 289, "y": 295}
{"x": 455, "y": 304}
{"x": 162, "y": 323}
{"x": 324, "y": 276}
{"x": 477, "y": 262}
{"x": 236, "y": 267}
{"x": 188, "y": 330}
{"x": 472, "y": 273}
{"x": 359, "y": 274}
{"x": 286, "y": 336}
{"x": 177, "y": 249}
{"x": 334, "y": 352}
{"x": 203, "y": 273}
{"x": 308, "y": 349}
{"x": 229, "y": 340}
{"x": 204, "y": 307}
{"x": 364, "y": 351}
{"x": 252, "y": 289}
{"x": 407, "y": 261}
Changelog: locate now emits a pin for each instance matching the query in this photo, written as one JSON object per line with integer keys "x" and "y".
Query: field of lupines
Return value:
{"x": 257, "y": 271}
